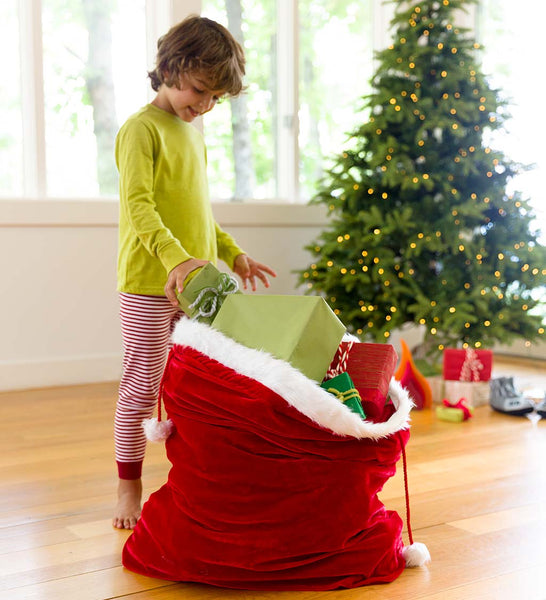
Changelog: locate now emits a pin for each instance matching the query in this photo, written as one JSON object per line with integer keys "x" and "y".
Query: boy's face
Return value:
{"x": 191, "y": 99}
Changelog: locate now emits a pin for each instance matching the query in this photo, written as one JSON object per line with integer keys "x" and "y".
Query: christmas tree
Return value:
{"x": 422, "y": 228}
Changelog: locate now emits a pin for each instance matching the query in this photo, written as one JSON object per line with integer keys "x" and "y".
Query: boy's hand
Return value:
{"x": 176, "y": 278}
{"x": 248, "y": 269}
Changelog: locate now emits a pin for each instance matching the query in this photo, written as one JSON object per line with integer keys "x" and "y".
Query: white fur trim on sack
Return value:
{"x": 298, "y": 390}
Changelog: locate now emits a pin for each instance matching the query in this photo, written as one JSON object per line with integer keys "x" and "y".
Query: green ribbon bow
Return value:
{"x": 351, "y": 399}
{"x": 346, "y": 395}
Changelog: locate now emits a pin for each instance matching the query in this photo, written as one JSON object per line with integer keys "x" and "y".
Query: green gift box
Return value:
{"x": 343, "y": 388}
{"x": 302, "y": 330}
{"x": 455, "y": 415}
{"x": 205, "y": 291}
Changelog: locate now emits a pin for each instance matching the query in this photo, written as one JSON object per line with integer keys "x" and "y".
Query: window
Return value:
{"x": 303, "y": 90}
{"x": 240, "y": 132}
{"x": 94, "y": 56}
{"x": 78, "y": 70}
{"x": 309, "y": 63}
{"x": 11, "y": 150}
{"x": 513, "y": 41}
{"x": 75, "y": 74}
{"x": 333, "y": 78}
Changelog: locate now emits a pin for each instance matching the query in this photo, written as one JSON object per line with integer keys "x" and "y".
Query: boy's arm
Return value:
{"x": 134, "y": 157}
{"x": 228, "y": 250}
{"x": 249, "y": 270}
{"x": 238, "y": 260}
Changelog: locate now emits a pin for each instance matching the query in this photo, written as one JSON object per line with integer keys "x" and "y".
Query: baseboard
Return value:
{"x": 535, "y": 351}
{"x": 27, "y": 374}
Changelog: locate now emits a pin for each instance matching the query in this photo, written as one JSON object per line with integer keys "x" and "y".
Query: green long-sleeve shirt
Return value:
{"x": 165, "y": 214}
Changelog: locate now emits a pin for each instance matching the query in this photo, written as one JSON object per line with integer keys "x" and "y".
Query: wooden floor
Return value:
{"x": 478, "y": 499}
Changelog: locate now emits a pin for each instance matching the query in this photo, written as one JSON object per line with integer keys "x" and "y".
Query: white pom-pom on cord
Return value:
{"x": 157, "y": 431}
{"x": 416, "y": 555}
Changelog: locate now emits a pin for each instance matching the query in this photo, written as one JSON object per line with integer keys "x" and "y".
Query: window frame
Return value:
{"x": 32, "y": 98}
{"x": 160, "y": 15}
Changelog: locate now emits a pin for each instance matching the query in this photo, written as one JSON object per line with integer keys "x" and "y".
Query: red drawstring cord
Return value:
{"x": 160, "y": 394}
{"x": 406, "y": 488}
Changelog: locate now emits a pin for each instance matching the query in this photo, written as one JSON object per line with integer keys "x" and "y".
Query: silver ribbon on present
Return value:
{"x": 210, "y": 299}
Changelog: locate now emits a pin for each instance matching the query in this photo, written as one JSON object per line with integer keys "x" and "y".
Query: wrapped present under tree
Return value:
{"x": 467, "y": 364}
{"x": 467, "y": 373}
{"x": 456, "y": 412}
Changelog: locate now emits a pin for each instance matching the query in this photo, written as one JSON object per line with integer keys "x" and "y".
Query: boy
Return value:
{"x": 166, "y": 225}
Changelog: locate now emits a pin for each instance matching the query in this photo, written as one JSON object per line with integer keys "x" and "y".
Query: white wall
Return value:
{"x": 58, "y": 307}
{"x": 58, "y": 317}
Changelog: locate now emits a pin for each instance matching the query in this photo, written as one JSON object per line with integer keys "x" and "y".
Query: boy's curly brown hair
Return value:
{"x": 200, "y": 45}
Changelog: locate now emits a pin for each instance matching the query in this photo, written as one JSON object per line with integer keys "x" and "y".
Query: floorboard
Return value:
{"x": 478, "y": 500}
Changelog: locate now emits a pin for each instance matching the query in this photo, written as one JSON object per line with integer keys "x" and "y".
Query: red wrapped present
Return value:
{"x": 467, "y": 373}
{"x": 371, "y": 367}
{"x": 467, "y": 365}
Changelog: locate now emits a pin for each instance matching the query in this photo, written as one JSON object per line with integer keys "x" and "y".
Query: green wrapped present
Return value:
{"x": 205, "y": 292}
{"x": 343, "y": 388}
{"x": 302, "y": 330}
{"x": 454, "y": 412}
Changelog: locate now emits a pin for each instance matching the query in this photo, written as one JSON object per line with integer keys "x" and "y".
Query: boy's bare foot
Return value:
{"x": 128, "y": 509}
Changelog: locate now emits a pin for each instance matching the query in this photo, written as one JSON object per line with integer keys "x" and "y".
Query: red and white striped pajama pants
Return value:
{"x": 146, "y": 325}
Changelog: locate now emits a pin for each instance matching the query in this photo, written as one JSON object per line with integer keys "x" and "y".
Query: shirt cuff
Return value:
{"x": 129, "y": 470}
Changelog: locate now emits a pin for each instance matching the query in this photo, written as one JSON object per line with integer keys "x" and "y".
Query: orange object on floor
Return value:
{"x": 413, "y": 380}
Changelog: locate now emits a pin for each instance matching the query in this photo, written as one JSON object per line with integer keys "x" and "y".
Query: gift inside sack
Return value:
{"x": 204, "y": 292}
{"x": 371, "y": 368}
{"x": 302, "y": 330}
{"x": 343, "y": 388}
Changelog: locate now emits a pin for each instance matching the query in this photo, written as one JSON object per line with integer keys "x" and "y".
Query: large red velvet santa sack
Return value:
{"x": 273, "y": 482}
